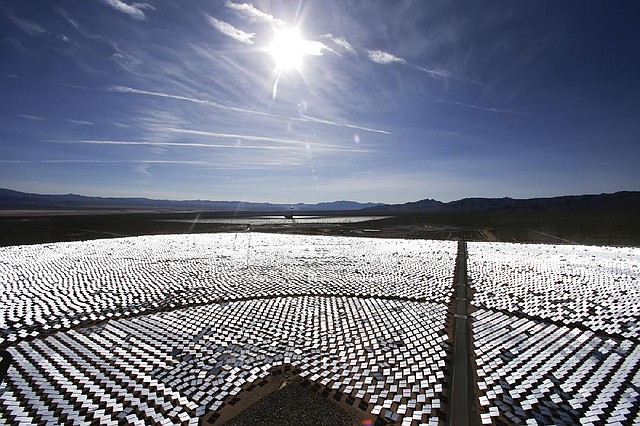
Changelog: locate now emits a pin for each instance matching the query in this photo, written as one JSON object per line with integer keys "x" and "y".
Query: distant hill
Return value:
{"x": 624, "y": 200}
{"x": 15, "y": 200}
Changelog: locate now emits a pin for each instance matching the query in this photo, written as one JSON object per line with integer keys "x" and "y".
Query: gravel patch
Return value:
{"x": 294, "y": 405}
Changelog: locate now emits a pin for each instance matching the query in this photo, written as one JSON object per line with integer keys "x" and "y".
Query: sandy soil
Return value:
{"x": 294, "y": 405}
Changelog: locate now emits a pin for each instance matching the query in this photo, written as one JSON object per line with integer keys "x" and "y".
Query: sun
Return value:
{"x": 288, "y": 49}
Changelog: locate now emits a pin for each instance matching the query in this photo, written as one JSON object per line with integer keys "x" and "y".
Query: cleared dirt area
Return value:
{"x": 619, "y": 228}
{"x": 294, "y": 404}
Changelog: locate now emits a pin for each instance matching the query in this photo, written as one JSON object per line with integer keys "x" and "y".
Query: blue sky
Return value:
{"x": 389, "y": 102}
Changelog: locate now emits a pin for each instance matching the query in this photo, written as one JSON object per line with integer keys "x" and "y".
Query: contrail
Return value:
{"x": 506, "y": 111}
{"x": 315, "y": 145}
{"x": 202, "y": 163}
{"x": 203, "y": 145}
{"x": 125, "y": 89}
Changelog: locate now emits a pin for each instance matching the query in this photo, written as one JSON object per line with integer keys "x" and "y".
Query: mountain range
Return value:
{"x": 15, "y": 200}
{"x": 624, "y": 200}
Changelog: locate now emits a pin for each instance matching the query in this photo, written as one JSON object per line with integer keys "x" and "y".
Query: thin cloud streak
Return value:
{"x": 124, "y": 89}
{"x": 446, "y": 132}
{"x": 233, "y": 136}
{"x": 435, "y": 73}
{"x": 231, "y": 31}
{"x": 384, "y": 58}
{"x": 134, "y": 10}
{"x": 252, "y": 13}
{"x": 29, "y": 27}
{"x": 30, "y": 117}
{"x": 103, "y": 161}
{"x": 240, "y": 166}
{"x": 81, "y": 122}
{"x": 340, "y": 41}
{"x": 243, "y": 137}
{"x": 350, "y": 126}
{"x": 506, "y": 111}
{"x": 203, "y": 145}
{"x": 445, "y": 74}
{"x": 68, "y": 18}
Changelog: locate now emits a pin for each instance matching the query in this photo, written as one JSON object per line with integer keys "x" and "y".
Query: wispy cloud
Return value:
{"x": 382, "y": 57}
{"x": 205, "y": 145}
{"x": 446, "y": 132}
{"x": 143, "y": 169}
{"x": 135, "y": 10}
{"x": 74, "y": 23}
{"x": 386, "y": 58}
{"x": 30, "y": 117}
{"x": 347, "y": 125}
{"x": 446, "y": 75}
{"x": 172, "y": 144}
{"x": 340, "y": 41}
{"x": 231, "y": 31}
{"x": 75, "y": 86}
{"x": 235, "y": 136}
{"x": 30, "y": 27}
{"x": 435, "y": 73}
{"x": 252, "y": 13}
{"x": 68, "y": 18}
{"x": 103, "y": 161}
{"x": 201, "y": 163}
{"x": 462, "y": 104}
{"x": 124, "y": 89}
{"x": 81, "y": 122}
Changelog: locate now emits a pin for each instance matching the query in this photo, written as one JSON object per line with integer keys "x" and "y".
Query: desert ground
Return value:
{"x": 580, "y": 227}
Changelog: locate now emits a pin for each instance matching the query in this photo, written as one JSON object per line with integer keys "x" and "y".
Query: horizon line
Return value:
{"x": 316, "y": 203}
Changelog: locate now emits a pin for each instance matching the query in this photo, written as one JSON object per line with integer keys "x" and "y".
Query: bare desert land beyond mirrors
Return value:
{"x": 336, "y": 319}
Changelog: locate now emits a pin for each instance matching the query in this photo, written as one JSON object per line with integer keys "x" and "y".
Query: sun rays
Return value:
{"x": 288, "y": 51}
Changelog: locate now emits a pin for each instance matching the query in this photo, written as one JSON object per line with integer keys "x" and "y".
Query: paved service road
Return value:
{"x": 460, "y": 397}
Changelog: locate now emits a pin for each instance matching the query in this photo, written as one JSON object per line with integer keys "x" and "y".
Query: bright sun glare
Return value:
{"x": 288, "y": 49}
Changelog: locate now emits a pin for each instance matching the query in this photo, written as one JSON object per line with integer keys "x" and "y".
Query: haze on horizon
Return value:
{"x": 300, "y": 101}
